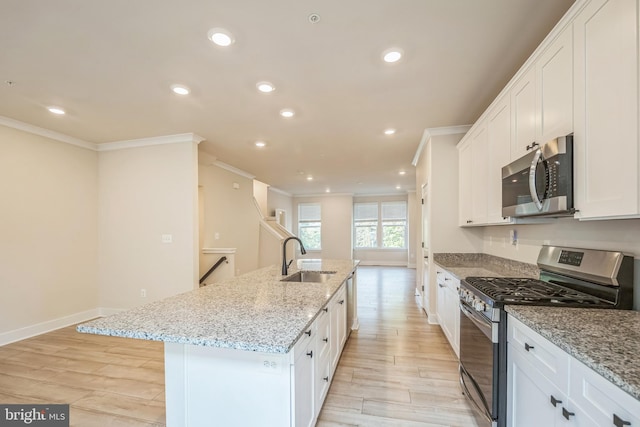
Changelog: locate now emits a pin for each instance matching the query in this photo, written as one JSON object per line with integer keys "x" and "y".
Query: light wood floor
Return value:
{"x": 397, "y": 370}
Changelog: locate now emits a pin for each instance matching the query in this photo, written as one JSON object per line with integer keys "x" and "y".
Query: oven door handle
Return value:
{"x": 465, "y": 390}
{"x": 484, "y": 325}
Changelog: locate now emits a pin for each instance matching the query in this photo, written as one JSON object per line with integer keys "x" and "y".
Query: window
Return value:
{"x": 309, "y": 225}
{"x": 380, "y": 225}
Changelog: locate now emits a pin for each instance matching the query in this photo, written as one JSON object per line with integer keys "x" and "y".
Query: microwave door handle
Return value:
{"x": 532, "y": 179}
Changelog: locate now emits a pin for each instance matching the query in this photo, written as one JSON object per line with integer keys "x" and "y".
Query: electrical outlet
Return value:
{"x": 167, "y": 238}
{"x": 143, "y": 293}
{"x": 269, "y": 366}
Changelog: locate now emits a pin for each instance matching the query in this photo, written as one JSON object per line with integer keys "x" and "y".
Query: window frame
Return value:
{"x": 310, "y": 221}
{"x": 380, "y": 226}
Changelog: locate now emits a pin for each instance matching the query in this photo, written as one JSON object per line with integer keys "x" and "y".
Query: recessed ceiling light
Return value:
{"x": 401, "y": 173}
{"x": 392, "y": 55}
{"x": 287, "y": 113}
{"x": 398, "y": 187}
{"x": 180, "y": 89}
{"x": 261, "y": 144}
{"x": 221, "y": 37}
{"x": 265, "y": 87}
{"x": 389, "y": 131}
{"x": 56, "y": 110}
{"x": 309, "y": 178}
{"x": 328, "y": 190}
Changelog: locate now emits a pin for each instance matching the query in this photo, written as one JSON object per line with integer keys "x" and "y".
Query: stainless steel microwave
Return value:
{"x": 541, "y": 182}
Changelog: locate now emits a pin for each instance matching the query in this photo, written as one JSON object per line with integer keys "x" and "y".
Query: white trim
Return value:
{"x": 233, "y": 169}
{"x": 218, "y": 250}
{"x": 428, "y": 133}
{"x": 323, "y": 195}
{"x": 105, "y": 311}
{"x": 277, "y": 190}
{"x": 48, "y": 326}
{"x": 146, "y": 142}
{"x": 411, "y": 265}
{"x": 26, "y": 127}
{"x": 384, "y": 263}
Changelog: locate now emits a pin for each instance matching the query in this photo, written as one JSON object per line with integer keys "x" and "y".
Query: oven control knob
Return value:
{"x": 479, "y": 305}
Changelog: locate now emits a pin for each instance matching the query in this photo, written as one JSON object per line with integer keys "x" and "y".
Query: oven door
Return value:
{"x": 478, "y": 372}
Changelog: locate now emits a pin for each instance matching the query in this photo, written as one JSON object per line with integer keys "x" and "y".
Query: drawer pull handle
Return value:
{"x": 567, "y": 414}
{"x": 528, "y": 347}
{"x": 555, "y": 401}
{"x": 310, "y": 354}
{"x": 308, "y": 332}
{"x": 341, "y": 301}
{"x": 619, "y": 422}
{"x": 325, "y": 339}
{"x": 326, "y": 379}
{"x": 326, "y": 309}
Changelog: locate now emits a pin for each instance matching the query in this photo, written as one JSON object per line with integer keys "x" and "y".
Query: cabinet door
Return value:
{"x": 554, "y": 84}
{"x": 338, "y": 326}
{"x": 479, "y": 174}
{"x": 531, "y": 396}
{"x": 523, "y": 112}
{"x": 499, "y": 137}
{"x": 453, "y": 314}
{"x": 606, "y": 109}
{"x": 303, "y": 396}
{"x": 464, "y": 184}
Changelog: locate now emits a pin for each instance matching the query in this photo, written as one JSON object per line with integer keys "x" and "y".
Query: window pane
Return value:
{"x": 394, "y": 234}
{"x": 309, "y": 212}
{"x": 366, "y": 234}
{"x": 365, "y": 211}
{"x": 310, "y": 235}
{"x": 394, "y": 210}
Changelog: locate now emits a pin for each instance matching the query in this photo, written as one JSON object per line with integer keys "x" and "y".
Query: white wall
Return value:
{"x": 337, "y": 214}
{"x": 230, "y": 214}
{"x": 146, "y": 192}
{"x": 260, "y": 193}
{"x": 49, "y": 233}
{"x": 277, "y": 199}
{"x": 399, "y": 257}
{"x": 619, "y": 235}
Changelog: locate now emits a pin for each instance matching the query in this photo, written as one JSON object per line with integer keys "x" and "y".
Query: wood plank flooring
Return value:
{"x": 397, "y": 370}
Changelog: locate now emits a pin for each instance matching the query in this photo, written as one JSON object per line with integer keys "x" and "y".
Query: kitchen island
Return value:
{"x": 251, "y": 350}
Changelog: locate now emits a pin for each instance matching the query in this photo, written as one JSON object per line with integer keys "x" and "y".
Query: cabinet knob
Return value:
{"x": 619, "y": 422}
{"x": 528, "y": 347}
{"x": 532, "y": 146}
{"x": 326, "y": 379}
{"x": 341, "y": 301}
{"x": 308, "y": 332}
{"x": 555, "y": 401}
{"x": 326, "y": 310}
{"x": 566, "y": 413}
{"x": 310, "y": 353}
{"x": 325, "y": 339}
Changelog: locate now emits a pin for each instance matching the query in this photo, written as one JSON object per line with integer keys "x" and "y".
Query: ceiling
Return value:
{"x": 110, "y": 65}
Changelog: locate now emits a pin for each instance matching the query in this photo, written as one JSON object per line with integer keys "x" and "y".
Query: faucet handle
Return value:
{"x": 289, "y": 263}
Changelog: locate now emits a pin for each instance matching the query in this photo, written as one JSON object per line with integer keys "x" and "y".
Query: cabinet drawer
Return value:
{"x": 550, "y": 360}
{"x": 323, "y": 333}
{"x": 307, "y": 337}
{"x": 600, "y": 399}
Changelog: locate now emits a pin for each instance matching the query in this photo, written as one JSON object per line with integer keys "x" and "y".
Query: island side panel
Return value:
{"x": 206, "y": 386}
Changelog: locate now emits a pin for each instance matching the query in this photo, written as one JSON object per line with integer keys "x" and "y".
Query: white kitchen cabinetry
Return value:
{"x": 606, "y": 110}
{"x": 499, "y": 148}
{"x": 303, "y": 380}
{"x": 473, "y": 173}
{"x": 322, "y": 376}
{"x": 547, "y": 386}
{"x": 554, "y": 89}
{"x": 448, "y": 307}
{"x": 338, "y": 310}
{"x": 523, "y": 112}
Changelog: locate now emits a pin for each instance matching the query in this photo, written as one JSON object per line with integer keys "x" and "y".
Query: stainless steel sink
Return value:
{"x": 310, "y": 276}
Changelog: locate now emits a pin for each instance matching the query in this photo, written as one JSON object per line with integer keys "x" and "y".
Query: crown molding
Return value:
{"x": 277, "y": 190}
{"x": 146, "y": 142}
{"x": 428, "y": 133}
{"x": 232, "y": 169}
{"x": 26, "y": 127}
{"x": 302, "y": 196}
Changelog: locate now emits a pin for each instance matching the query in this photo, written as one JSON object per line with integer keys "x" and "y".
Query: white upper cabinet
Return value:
{"x": 606, "y": 110}
{"x": 554, "y": 89}
{"x": 473, "y": 173}
{"x": 499, "y": 146}
{"x": 523, "y": 110}
{"x": 464, "y": 184}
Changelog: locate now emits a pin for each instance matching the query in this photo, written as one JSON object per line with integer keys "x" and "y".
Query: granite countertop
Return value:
{"x": 252, "y": 312}
{"x": 607, "y": 341}
{"x": 463, "y": 265}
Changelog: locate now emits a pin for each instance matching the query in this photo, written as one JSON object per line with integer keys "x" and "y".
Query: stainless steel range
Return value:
{"x": 569, "y": 277}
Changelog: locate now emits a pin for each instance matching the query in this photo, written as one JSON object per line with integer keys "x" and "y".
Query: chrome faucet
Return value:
{"x": 285, "y": 265}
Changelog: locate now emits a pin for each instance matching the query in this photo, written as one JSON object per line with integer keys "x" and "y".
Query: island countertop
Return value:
{"x": 252, "y": 312}
{"x": 607, "y": 341}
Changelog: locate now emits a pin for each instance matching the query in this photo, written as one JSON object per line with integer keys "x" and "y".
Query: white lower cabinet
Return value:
{"x": 338, "y": 312}
{"x": 303, "y": 386}
{"x": 448, "y": 307}
{"x": 548, "y": 387}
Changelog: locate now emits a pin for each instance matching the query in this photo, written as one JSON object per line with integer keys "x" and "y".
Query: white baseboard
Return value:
{"x": 52, "y": 325}
{"x": 385, "y": 263}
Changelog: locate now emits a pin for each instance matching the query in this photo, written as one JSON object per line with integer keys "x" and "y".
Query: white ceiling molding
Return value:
{"x": 26, "y": 127}
{"x": 277, "y": 190}
{"x": 146, "y": 142}
{"x": 232, "y": 169}
{"x": 301, "y": 196}
{"x": 428, "y": 133}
